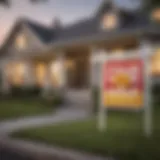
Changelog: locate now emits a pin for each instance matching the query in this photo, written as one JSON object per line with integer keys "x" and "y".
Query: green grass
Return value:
{"x": 15, "y": 108}
{"x": 124, "y": 138}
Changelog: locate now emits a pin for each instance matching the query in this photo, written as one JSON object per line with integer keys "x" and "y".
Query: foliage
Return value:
{"x": 11, "y": 107}
{"x": 95, "y": 99}
{"x": 149, "y": 4}
{"x": 20, "y": 92}
{"x": 52, "y": 97}
{"x": 156, "y": 94}
{"x": 8, "y": 2}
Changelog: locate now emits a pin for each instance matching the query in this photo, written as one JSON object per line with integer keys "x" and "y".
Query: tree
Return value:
{"x": 150, "y": 4}
{"x": 7, "y": 3}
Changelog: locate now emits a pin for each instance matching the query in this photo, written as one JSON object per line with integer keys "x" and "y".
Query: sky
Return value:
{"x": 67, "y": 10}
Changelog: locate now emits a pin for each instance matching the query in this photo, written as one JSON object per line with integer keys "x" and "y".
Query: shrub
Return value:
{"x": 20, "y": 92}
{"x": 156, "y": 94}
{"x": 53, "y": 98}
{"x": 95, "y": 99}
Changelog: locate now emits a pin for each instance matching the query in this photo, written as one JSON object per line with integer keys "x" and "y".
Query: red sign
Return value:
{"x": 123, "y": 83}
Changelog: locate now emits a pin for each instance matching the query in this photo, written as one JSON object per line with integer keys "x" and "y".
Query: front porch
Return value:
{"x": 73, "y": 69}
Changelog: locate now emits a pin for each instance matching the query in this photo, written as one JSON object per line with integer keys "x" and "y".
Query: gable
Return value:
{"x": 44, "y": 33}
{"x": 21, "y": 38}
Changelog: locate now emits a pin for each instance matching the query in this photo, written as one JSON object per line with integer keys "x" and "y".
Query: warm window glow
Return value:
{"x": 155, "y": 63}
{"x": 118, "y": 51}
{"x": 109, "y": 21}
{"x": 40, "y": 73}
{"x": 57, "y": 74}
{"x": 21, "y": 42}
{"x": 70, "y": 64}
{"x": 16, "y": 73}
{"x": 156, "y": 14}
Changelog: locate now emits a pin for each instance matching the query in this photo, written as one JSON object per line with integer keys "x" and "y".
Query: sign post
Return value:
{"x": 147, "y": 99}
{"x": 102, "y": 115}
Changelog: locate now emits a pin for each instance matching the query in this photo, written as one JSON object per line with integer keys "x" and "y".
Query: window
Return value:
{"x": 155, "y": 63}
{"x": 156, "y": 14}
{"x": 109, "y": 21}
{"x": 40, "y": 73}
{"x": 21, "y": 42}
{"x": 57, "y": 74}
{"x": 16, "y": 73}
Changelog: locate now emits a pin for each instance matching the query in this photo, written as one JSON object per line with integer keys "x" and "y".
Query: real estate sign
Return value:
{"x": 123, "y": 83}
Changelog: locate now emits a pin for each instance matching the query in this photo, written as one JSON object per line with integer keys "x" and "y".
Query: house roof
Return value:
{"x": 45, "y": 33}
{"x": 90, "y": 27}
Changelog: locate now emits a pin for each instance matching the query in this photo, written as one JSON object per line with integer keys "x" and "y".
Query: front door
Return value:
{"x": 78, "y": 75}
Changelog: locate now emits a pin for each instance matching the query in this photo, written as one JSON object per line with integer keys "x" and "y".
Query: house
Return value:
{"x": 68, "y": 57}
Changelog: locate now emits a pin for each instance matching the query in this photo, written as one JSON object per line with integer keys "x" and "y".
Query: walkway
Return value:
{"x": 33, "y": 149}
{"x": 62, "y": 115}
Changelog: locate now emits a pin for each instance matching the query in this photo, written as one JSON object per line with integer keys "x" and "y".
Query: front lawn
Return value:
{"x": 124, "y": 138}
{"x": 21, "y": 107}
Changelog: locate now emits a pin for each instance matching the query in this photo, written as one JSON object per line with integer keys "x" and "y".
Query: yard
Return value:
{"x": 21, "y": 107}
{"x": 124, "y": 138}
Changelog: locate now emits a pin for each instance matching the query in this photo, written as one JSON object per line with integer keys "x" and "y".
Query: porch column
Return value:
{"x": 59, "y": 73}
{"x": 55, "y": 78}
{"x": 29, "y": 74}
{"x": 47, "y": 85}
{"x": 62, "y": 70}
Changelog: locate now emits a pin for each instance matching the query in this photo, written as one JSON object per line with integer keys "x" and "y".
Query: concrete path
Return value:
{"x": 38, "y": 150}
{"x": 62, "y": 115}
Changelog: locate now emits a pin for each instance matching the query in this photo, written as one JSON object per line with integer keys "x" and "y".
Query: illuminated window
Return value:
{"x": 40, "y": 73}
{"x": 57, "y": 74}
{"x": 118, "y": 51}
{"x": 70, "y": 64}
{"x": 16, "y": 73}
{"x": 156, "y": 14}
{"x": 21, "y": 42}
{"x": 155, "y": 63}
{"x": 109, "y": 21}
